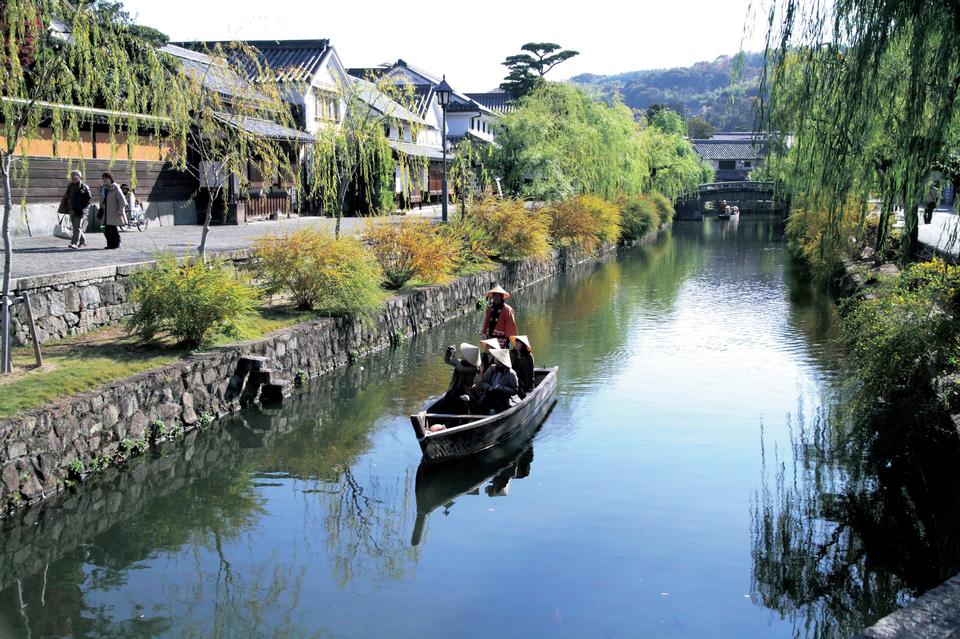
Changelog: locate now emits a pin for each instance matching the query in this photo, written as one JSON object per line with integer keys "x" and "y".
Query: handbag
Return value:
{"x": 59, "y": 231}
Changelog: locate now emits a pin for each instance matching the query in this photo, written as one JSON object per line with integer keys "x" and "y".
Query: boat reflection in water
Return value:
{"x": 491, "y": 472}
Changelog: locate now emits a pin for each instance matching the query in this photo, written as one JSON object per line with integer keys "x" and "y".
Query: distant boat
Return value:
{"x": 729, "y": 212}
{"x": 466, "y": 435}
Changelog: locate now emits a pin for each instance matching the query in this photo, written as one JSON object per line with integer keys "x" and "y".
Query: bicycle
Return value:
{"x": 136, "y": 218}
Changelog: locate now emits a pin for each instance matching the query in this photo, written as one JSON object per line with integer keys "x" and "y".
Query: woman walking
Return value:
{"x": 113, "y": 211}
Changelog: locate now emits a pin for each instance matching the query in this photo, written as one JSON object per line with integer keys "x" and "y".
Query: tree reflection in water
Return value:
{"x": 842, "y": 537}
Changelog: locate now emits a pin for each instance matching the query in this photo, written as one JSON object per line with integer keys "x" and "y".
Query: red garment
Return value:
{"x": 506, "y": 323}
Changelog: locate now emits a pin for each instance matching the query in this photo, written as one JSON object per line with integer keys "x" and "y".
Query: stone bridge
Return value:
{"x": 751, "y": 197}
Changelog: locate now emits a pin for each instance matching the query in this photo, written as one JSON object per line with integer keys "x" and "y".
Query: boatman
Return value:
{"x": 499, "y": 322}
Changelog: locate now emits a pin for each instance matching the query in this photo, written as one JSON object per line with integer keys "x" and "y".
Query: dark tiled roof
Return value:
{"x": 265, "y": 128}
{"x": 383, "y": 104}
{"x": 730, "y": 149}
{"x": 290, "y": 60}
{"x": 418, "y": 150}
{"x": 462, "y": 104}
{"x": 496, "y": 101}
{"x": 365, "y": 73}
{"x": 215, "y": 77}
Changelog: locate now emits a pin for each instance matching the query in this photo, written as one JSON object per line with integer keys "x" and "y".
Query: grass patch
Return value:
{"x": 81, "y": 363}
{"x": 262, "y": 321}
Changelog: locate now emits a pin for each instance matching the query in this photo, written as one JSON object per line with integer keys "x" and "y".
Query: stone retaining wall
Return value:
{"x": 934, "y": 615}
{"x": 95, "y": 428}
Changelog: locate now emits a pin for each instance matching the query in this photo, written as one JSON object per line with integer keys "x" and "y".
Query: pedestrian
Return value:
{"x": 112, "y": 210}
{"x": 134, "y": 207}
{"x": 75, "y": 203}
{"x": 932, "y": 196}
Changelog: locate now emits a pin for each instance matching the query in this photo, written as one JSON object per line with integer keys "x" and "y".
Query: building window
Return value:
{"x": 727, "y": 165}
{"x": 327, "y": 106}
{"x": 747, "y": 164}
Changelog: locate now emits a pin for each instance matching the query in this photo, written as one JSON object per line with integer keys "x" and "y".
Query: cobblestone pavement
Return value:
{"x": 47, "y": 255}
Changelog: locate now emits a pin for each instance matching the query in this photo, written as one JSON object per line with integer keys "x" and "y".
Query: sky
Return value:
{"x": 468, "y": 41}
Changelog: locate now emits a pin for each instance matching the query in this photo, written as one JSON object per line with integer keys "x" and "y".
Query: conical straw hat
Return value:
{"x": 502, "y": 355}
{"x": 521, "y": 338}
{"x": 498, "y": 289}
{"x": 470, "y": 353}
{"x": 490, "y": 344}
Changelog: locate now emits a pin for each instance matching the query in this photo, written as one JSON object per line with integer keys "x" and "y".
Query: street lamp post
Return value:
{"x": 443, "y": 92}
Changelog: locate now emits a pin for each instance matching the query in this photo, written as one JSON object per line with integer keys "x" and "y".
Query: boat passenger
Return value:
{"x": 521, "y": 358}
{"x": 499, "y": 384}
{"x": 499, "y": 321}
{"x": 466, "y": 375}
{"x": 486, "y": 345}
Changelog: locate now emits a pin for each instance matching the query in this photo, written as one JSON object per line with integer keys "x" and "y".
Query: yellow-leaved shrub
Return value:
{"x": 515, "y": 232}
{"x": 585, "y": 221}
{"x": 335, "y": 276}
{"x": 413, "y": 249}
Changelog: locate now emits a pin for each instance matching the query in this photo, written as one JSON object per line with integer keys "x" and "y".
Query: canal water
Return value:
{"x": 683, "y": 485}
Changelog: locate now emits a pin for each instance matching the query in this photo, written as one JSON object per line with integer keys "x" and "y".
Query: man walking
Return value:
{"x": 77, "y": 199}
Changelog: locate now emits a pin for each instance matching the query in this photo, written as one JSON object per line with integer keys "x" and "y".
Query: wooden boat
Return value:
{"x": 466, "y": 435}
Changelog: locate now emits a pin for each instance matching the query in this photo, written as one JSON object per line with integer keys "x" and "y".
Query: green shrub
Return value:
{"x": 640, "y": 216}
{"x": 824, "y": 236}
{"x": 75, "y": 470}
{"x": 187, "y": 302}
{"x": 902, "y": 338}
{"x": 319, "y": 272}
{"x": 156, "y": 430}
{"x": 476, "y": 245}
{"x": 412, "y": 249}
{"x": 664, "y": 207}
{"x": 515, "y": 232}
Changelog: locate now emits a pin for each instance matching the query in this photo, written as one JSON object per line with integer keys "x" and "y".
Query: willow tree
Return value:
{"x": 235, "y": 124}
{"x": 58, "y": 60}
{"x": 868, "y": 89}
{"x": 468, "y": 171}
{"x": 675, "y": 168}
{"x": 356, "y": 155}
{"x": 560, "y": 142}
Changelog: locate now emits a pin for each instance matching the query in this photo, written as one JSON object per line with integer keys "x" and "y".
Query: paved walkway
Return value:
{"x": 942, "y": 232}
{"x": 48, "y": 255}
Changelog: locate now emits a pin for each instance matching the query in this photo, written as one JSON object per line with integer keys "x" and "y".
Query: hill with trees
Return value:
{"x": 721, "y": 93}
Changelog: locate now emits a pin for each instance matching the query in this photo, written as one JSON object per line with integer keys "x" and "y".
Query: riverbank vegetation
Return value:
{"x": 869, "y": 93}
{"x": 904, "y": 340}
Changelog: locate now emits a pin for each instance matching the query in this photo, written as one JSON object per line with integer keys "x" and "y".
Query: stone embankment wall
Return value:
{"x": 90, "y": 429}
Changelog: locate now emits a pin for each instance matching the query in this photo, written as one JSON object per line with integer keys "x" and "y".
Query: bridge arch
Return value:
{"x": 750, "y": 196}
